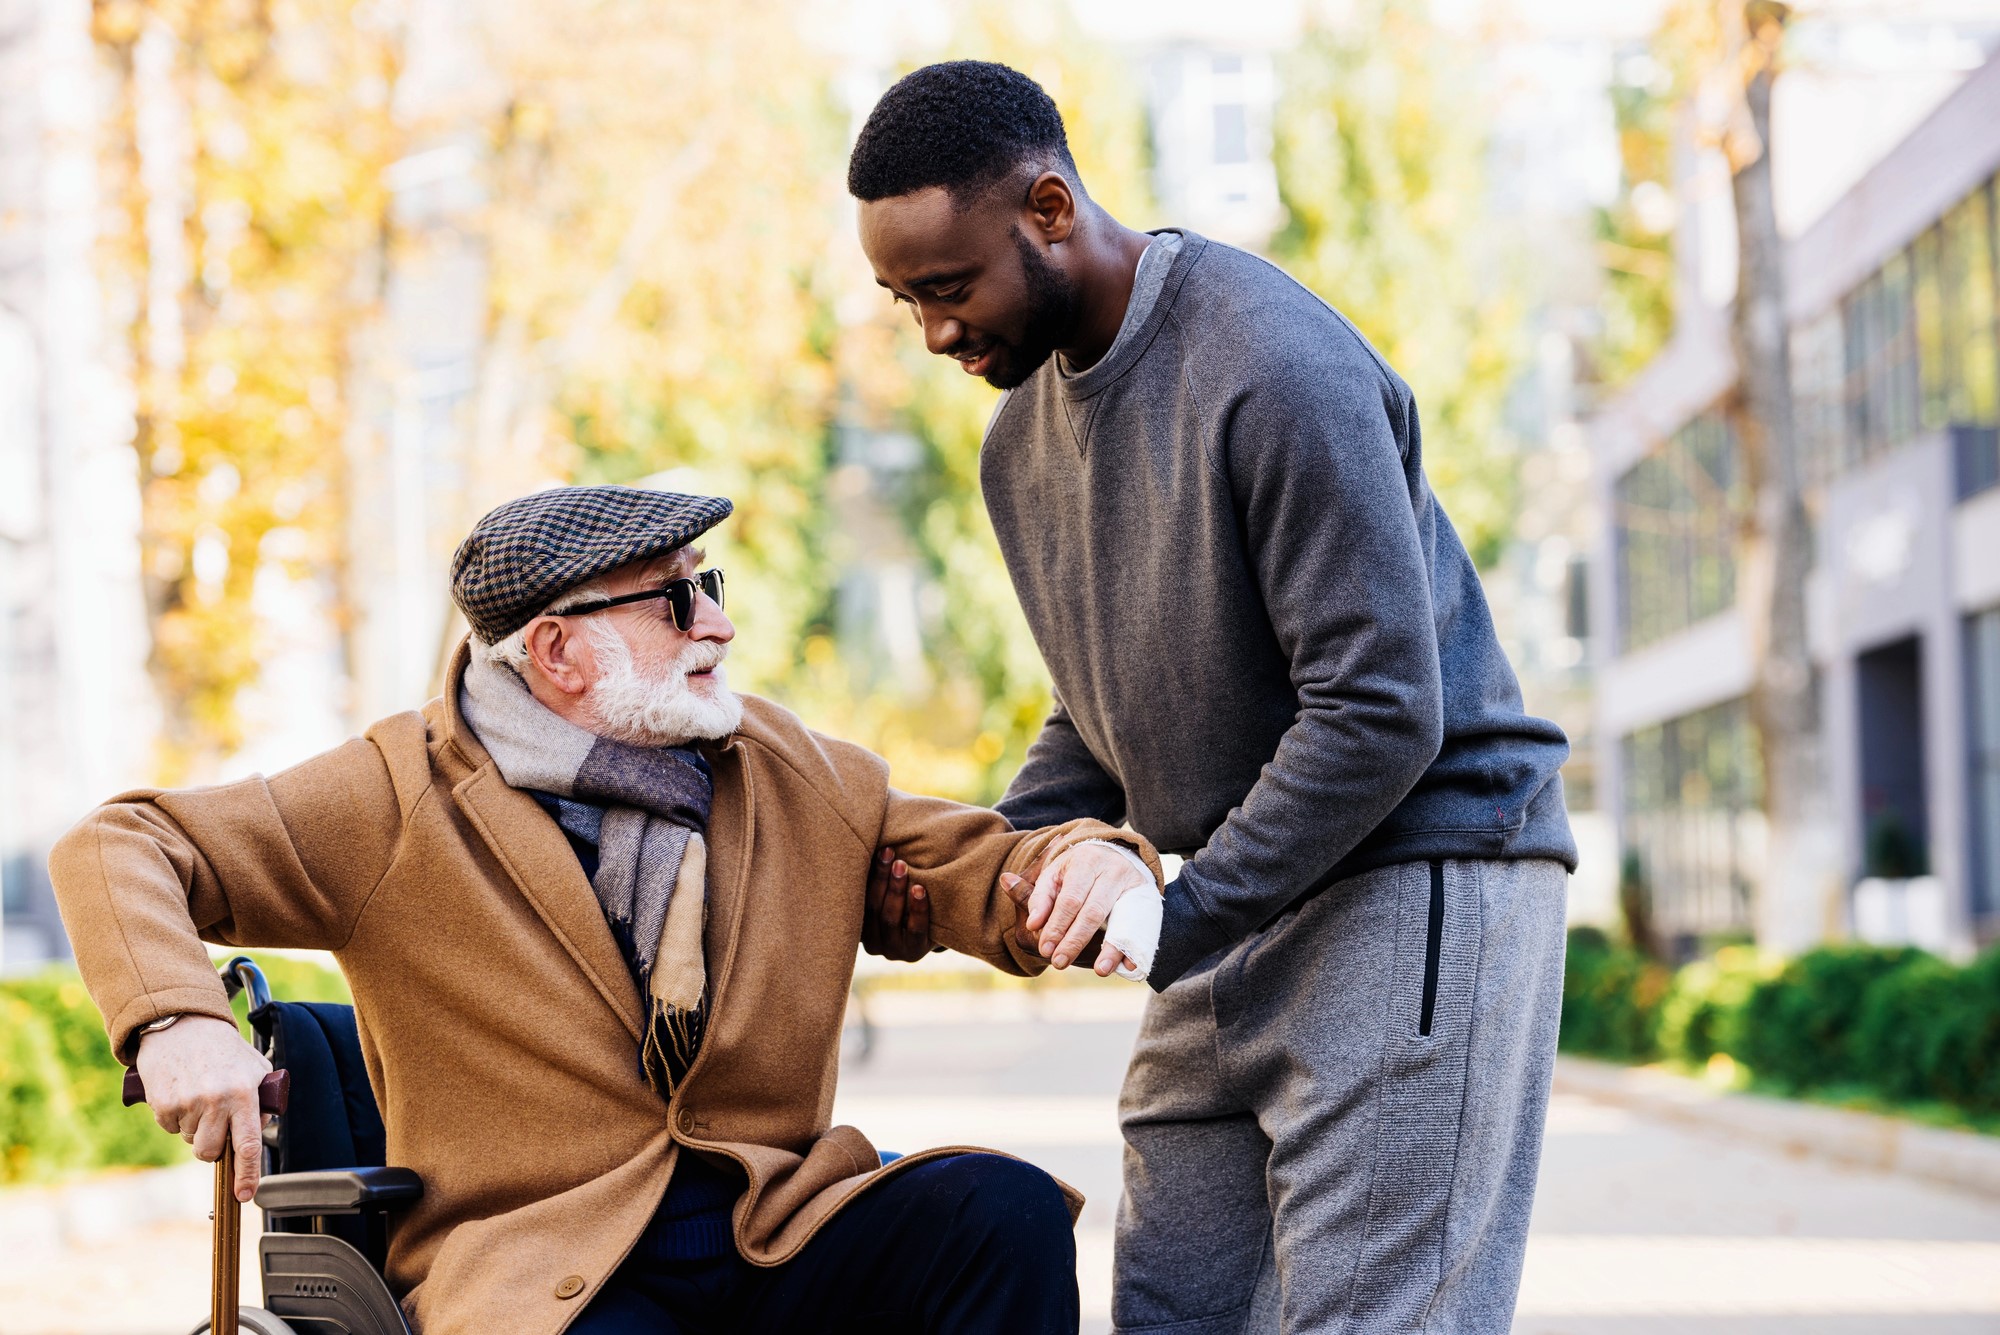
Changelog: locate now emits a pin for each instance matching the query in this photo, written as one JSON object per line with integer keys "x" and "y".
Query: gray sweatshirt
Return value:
{"x": 1270, "y": 651}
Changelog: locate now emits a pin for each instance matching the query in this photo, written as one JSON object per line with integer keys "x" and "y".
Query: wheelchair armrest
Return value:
{"x": 337, "y": 1191}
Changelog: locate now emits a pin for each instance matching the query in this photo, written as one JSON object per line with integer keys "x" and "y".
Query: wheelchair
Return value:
{"x": 325, "y": 1192}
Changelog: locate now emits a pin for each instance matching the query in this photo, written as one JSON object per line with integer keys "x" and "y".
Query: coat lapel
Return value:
{"x": 543, "y": 866}
{"x": 531, "y": 847}
{"x": 731, "y": 829}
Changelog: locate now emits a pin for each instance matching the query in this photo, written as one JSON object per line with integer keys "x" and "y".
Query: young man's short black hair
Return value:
{"x": 965, "y": 125}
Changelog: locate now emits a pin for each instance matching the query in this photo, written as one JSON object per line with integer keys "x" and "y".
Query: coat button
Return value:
{"x": 685, "y": 1121}
{"x": 570, "y": 1287}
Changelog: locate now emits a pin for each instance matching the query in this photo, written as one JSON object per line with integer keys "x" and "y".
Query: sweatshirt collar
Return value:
{"x": 1124, "y": 353}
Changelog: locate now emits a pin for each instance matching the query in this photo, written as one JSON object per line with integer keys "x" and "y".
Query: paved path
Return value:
{"x": 1640, "y": 1229}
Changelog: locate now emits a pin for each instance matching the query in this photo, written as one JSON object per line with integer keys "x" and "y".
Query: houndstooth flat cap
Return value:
{"x": 526, "y": 552}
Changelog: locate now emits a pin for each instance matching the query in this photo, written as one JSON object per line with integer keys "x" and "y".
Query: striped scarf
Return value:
{"x": 646, "y": 809}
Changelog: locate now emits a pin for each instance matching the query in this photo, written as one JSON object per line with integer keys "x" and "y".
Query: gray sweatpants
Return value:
{"x": 1335, "y": 1125}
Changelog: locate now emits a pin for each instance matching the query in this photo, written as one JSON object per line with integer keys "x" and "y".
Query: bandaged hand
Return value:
{"x": 1093, "y": 886}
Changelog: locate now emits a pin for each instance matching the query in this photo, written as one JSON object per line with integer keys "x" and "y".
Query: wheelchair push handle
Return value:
{"x": 274, "y": 1091}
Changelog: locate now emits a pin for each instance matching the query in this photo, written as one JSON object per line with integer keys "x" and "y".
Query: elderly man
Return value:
{"x": 599, "y": 916}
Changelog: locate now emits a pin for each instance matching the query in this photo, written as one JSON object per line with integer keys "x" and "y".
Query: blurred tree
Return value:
{"x": 1635, "y": 232}
{"x": 657, "y": 201}
{"x": 1379, "y": 154}
{"x": 1775, "y": 534}
{"x": 666, "y": 182}
{"x": 659, "y": 251}
{"x": 965, "y": 731}
{"x": 249, "y": 147}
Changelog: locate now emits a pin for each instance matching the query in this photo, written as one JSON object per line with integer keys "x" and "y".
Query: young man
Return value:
{"x": 599, "y": 914}
{"x": 1271, "y": 655}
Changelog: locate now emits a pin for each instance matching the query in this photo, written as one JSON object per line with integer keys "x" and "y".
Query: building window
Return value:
{"x": 1916, "y": 347}
{"x": 1210, "y": 115}
{"x": 1964, "y": 387}
{"x": 1677, "y": 511}
{"x": 1692, "y": 818}
{"x": 1982, "y": 675}
{"x": 1880, "y": 320}
{"x": 1819, "y": 390}
{"x": 1232, "y": 134}
{"x": 15, "y": 870}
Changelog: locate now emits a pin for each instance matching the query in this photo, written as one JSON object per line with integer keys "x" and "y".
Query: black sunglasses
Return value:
{"x": 679, "y": 594}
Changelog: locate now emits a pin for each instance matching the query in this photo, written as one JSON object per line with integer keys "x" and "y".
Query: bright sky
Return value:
{"x": 1274, "y": 22}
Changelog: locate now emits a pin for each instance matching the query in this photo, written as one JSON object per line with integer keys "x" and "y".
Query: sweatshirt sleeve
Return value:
{"x": 1060, "y": 780}
{"x": 1314, "y": 456}
{"x": 287, "y": 861}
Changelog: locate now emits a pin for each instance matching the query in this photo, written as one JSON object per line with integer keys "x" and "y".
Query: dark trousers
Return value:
{"x": 974, "y": 1244}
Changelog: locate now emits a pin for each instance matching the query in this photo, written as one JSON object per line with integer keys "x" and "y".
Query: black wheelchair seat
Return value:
{"x": 332, "y": 1122}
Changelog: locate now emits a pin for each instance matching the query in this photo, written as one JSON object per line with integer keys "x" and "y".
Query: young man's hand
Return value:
{"x": 897, "y": 923}
{"x": 201, "y": 1083}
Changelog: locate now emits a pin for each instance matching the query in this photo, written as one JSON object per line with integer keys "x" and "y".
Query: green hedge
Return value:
{"x": 1611, "y": 998}
{"x": 38, "y": 1132}
{"x": 1933, "y": 1032}
{"x": 1895, "y": 1023}
{"x": 1704, "y": 1011}
{"x": 60, "y": 1110}
{"x": 106, "y": 1130}
{"x": 1799, "y": 1029}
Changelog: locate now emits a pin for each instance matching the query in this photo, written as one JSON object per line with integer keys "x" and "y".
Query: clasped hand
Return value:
{"x": 1064, "y": 905}
{"x": 1071, "y": 899}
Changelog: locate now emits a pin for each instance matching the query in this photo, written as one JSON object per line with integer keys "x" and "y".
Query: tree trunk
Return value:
{"x": 160, "y": 191}
{"x": 1775, "y": 538}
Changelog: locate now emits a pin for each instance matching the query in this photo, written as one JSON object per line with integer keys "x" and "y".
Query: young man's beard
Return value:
{"x": 1052, "y": 314}
{"x": 660, "y": 707}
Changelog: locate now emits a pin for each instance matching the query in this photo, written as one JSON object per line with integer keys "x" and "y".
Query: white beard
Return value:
{"x": 660, "y": 707}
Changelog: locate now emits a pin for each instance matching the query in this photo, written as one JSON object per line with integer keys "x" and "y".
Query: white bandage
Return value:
{"x": 1134, "y": 926}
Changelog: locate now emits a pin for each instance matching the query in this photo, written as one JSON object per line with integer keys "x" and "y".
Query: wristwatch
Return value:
{"x": 155, "y": 1026}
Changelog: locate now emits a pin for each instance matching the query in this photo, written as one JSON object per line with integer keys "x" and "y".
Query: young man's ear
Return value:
{"x": 552, "y": 646}
{"x": 1051, "y": 208}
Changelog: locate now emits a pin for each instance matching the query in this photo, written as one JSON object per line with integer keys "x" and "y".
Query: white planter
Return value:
{"x": 1906, "y": 911}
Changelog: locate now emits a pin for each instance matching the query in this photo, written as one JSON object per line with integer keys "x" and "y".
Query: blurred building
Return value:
{"x": 1894, "y": 297}
{"x": 1209, "y": 110}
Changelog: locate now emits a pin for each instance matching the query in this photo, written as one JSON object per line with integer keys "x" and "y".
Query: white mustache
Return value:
{"x": 701, "y": 656}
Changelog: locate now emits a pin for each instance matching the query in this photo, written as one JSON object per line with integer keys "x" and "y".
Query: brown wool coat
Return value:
{"x": 498, "y": 1019}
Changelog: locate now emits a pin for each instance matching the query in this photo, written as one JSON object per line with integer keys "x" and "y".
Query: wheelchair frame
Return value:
{"x": 314, "y": 1283}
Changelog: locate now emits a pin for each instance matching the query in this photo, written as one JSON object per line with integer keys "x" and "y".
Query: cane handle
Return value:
{"x": 274, "y": 1091}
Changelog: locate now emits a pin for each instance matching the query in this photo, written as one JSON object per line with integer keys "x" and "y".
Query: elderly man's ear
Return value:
{"x": 555, "y": 650}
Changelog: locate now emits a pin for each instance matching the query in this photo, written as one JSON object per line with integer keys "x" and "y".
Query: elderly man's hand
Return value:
{"x": 201, "y": 1083}
{"x": 1072, "y": 899}
{"x": 897, "y": 922}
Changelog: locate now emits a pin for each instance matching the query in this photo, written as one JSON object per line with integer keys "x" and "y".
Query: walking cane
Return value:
{"x": 273, "y": 1092}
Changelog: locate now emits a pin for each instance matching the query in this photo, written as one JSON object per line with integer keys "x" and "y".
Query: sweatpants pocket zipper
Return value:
{"x": 1433, "y": 939}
